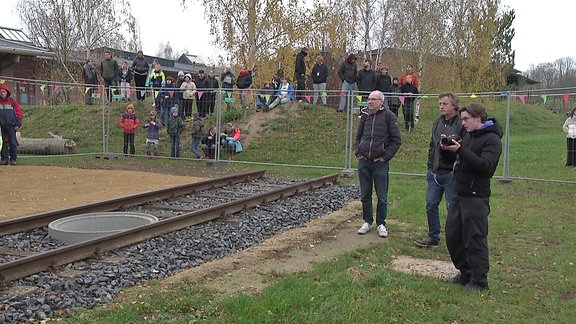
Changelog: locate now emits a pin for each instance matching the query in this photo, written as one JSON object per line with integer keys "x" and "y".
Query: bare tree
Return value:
{"x": 69, "y": 27}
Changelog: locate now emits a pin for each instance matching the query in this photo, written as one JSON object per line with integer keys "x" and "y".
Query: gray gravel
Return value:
{"x": 156, "y": 258}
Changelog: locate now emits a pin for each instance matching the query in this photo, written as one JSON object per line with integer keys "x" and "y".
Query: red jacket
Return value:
{"x": 10, "y": 110}
{"x": 129, "y": 122}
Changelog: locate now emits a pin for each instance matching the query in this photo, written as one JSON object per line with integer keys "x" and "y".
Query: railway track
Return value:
{"x": 172, "y": 218}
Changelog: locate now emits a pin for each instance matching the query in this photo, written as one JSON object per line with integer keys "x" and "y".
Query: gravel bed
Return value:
{"x": 156, "y": 258}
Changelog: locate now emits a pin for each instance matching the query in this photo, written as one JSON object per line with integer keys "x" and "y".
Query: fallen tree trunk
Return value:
{"x": 45, "y": 146}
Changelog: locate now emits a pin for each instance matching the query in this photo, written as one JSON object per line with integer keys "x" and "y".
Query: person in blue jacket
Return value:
{"x": 285, "y": 93}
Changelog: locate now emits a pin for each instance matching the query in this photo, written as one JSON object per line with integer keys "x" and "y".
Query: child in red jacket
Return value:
{"x": 129, "y": 122}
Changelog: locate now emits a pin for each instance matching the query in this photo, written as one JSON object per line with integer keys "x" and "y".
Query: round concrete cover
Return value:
{"x": 83, "y": 227}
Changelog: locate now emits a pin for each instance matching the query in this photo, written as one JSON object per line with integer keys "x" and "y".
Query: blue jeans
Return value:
{"x": 175, "y": 146}
{"x": 438, "y": 185}
{"x": 347, "y": 88}
{"x": 194, "y": 147}
{"x": 374, "y": 173}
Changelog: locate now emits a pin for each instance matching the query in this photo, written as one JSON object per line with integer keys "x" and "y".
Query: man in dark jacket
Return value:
{"x": 377, "y": 141}
{"x": 140, "y": 68}
{"x": 440, "y": 165}
{"x": 244, "y": 82}
{"x": 10, "y": 123}
{"x": 212, "y": 86}
{"x": 383, "y": 80}
{"x": 366, "y": 79}
{"x": 300, "y": 73}
{"x": 90, "y": 79}
{"x": 467, "y": 223}
{"x": 347, "y": 73}
{"x": 109, "y": 72}
{"x": 201, "y": 102}
{"x": 319, "y": 78}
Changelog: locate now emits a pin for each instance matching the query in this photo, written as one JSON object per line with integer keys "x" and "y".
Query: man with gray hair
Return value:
{"x": 377, "y": 141}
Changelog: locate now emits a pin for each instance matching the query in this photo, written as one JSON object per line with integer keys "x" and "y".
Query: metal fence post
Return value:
{"x": 506, "y": 169}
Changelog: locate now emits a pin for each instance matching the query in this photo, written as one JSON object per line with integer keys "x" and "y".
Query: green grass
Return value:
{"x": 532, "y": 226}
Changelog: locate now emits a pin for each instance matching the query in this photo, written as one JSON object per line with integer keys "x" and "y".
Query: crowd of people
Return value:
{"x": 202, "y": 88}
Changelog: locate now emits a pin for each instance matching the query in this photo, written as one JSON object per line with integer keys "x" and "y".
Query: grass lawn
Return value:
{"x": 532, "y": 225}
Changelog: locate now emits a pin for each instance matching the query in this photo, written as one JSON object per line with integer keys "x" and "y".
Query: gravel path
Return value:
{"x": 88, "y": 283}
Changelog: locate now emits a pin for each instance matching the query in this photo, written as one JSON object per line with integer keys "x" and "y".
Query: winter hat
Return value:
{"x": 180, "y": 73}
{"x": 305, "y": 50}
{"x": 173, "y": 110}
{"x": 395, "y": 79}
{"x": 188, "y": 75}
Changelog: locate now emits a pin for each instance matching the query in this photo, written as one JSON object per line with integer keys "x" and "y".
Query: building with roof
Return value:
{"x": 18, "y": 59}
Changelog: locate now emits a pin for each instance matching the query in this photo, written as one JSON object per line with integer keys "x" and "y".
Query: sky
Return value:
{"x": 543, "y": 29}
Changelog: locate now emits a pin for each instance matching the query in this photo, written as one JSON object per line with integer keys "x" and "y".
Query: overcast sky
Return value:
{"x": 543, "y": 28}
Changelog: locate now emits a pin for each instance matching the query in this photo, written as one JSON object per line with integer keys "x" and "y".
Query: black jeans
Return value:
{"x": 467, "y": 236}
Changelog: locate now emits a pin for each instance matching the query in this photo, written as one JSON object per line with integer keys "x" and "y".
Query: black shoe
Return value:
{"x": 459, "y": 279}
{"x": 472, "y": 285}
{"x": 427, "y": 242}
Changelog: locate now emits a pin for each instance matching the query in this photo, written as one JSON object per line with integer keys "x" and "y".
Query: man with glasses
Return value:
{"x": 467, "y": 222}
{"x": 440, "y": 165}
{"x": 377, "y": 141}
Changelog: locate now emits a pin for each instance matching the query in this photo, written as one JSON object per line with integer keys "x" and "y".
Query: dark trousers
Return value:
{"x": 110, "y": 86}
{"x": 129, "y": 141}
{"x": 300, "y": 86}
{"x": 571, "y": 152}
{"x": 374, "y": 174}
{"x": 9, "y": 143}
{"x": 140, "y": 82}
{"x": 408, "y": 112}
{"x": 467, "y": 236}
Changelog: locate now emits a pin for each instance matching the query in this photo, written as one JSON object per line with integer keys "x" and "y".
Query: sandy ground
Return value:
{"x": 31, "y": 189}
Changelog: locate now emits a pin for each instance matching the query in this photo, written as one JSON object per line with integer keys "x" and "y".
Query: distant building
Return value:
{"x": 18, "y": 59}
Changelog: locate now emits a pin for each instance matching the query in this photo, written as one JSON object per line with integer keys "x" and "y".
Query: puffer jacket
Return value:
{"x": 477, "y": 160}
{"x": 129, "y": 122}
{"x": 378, "y": 135}
{"x": 10, "y": 110}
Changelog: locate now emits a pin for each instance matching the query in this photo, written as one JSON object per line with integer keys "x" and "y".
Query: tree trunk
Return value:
{"x": 45, "y": 146}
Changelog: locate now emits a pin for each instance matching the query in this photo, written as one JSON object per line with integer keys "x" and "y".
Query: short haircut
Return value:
{"x": 453, "y": 99}
{"x": 475, "y": 110}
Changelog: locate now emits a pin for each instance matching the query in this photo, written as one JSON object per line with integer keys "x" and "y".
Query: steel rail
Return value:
{"x": 53, "y": 260}
{"x": 43, "y": 219}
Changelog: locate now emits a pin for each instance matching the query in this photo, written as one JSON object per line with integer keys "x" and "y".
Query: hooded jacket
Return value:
{"x": 10, "y": 110}
{"x": 348, "y": 70}
{"x": 477, "y": 160}
{"x": 378, "y": 135}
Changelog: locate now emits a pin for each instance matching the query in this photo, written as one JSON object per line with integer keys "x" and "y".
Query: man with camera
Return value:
{"x": 440, "y": 164}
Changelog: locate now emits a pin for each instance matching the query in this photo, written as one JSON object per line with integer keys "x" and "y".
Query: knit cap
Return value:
{"x": 173, "y": 110}
{"x": 180, "y": 73}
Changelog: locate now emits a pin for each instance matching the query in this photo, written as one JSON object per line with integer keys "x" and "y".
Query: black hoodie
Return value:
{"x": 477, "y": 160}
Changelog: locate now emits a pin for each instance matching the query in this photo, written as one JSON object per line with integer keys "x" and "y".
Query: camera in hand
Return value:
{"x": 447, "y": 141}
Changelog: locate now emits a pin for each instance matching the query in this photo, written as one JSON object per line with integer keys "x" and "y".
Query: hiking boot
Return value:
{"x": 472, "y": 285}
{"x": 12, "y": 162}
{"x": 382, "y": 231}
{"x": 364, "y": 229}
{"x": 4, "y": 162}
{"x": 459, "y": 279}
{"x": 427, "y": 242}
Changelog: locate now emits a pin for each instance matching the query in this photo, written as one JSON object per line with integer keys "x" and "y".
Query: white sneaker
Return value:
{"x": 382, "y": 231}
{"x": 364, "y": 229}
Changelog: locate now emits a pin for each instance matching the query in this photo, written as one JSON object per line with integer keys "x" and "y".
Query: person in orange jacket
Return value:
{"x": 129, "y": 122}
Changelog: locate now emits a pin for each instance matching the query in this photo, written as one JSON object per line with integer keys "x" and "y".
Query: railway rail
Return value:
{"x": 53, "y": 260}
